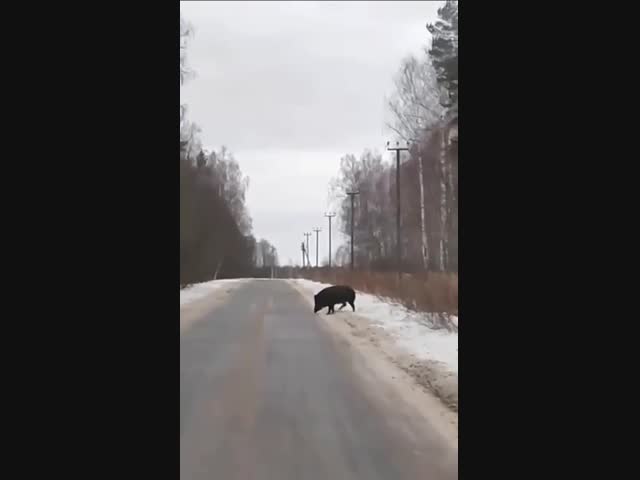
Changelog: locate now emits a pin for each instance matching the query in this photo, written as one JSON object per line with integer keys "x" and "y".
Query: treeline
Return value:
{"x": 424, "y": 111}
{"x": 215, "y": 226}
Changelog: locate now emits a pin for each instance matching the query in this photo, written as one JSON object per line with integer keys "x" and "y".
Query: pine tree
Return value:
{"x": 444, "y": 54}
{"x": 201, "y": 160}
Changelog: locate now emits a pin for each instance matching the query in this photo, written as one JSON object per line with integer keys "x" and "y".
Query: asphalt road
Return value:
{"x": 266, "y": 392}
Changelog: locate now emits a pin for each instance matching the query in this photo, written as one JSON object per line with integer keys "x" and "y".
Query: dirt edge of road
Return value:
{"x": 196, "y": 310}
{"x": 421, "y": 384}
{"x": 430, "y": 375}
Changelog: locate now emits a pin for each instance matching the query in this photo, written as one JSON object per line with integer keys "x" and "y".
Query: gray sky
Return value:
{"x": 289, "y": 88}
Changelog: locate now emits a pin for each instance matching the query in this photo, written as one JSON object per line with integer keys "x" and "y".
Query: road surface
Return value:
{"x": 266, "y": 392}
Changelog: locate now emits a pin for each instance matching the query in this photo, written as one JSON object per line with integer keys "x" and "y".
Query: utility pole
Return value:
{"x": 352, "y": 195}
{"x": 398, "y": 149}
{"x": 302, "y": 248}
{"x": 317, "y": 230}
{"x": 308, "y": 262}
{"x": 329, "y": 216}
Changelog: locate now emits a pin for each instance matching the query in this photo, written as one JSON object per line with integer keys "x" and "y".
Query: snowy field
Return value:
{"x": 410, "y": 330}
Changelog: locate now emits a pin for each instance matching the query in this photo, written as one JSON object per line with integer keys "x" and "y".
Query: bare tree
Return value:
{"x": 186, "y": 32}
{"x": 416, "y": 111}
{"x": 189, "y": 138}
{"x": 429, "y": 213}
{"x": 415, "y": 105}
{"x": 372, "y": 215}
{"x": 423, "y": 230}
{"x": 232, "y": 185}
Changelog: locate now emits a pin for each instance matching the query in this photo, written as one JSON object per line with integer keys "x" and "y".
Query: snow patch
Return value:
{"x": 200, "y": 290}
{"x": 411, "y": 331}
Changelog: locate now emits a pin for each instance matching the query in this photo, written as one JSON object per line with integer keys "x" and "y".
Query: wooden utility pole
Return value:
{"x": 329, "y": 216}
{"x": 398, "y": 149}
{"x": 317, "y": 230}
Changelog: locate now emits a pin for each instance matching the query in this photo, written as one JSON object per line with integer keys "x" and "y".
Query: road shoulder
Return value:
{"x": 386, "y": 367}
{"x": 197, "y": 309}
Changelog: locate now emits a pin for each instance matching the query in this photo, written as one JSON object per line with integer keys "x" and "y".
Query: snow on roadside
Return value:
{"x": 200, "y": 290}
{"x": 409, "y": 329}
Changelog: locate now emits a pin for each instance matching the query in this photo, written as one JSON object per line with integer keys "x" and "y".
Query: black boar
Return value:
{"x": 329, "y": 296}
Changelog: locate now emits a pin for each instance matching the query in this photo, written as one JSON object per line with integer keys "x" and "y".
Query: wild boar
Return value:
{"x": 330, "y": 296}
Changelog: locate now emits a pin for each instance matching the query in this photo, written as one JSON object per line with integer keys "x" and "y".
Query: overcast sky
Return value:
{"x": 289, "y": 88}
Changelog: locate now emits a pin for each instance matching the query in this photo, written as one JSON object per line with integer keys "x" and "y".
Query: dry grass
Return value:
{"x": 423, "y": 292}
